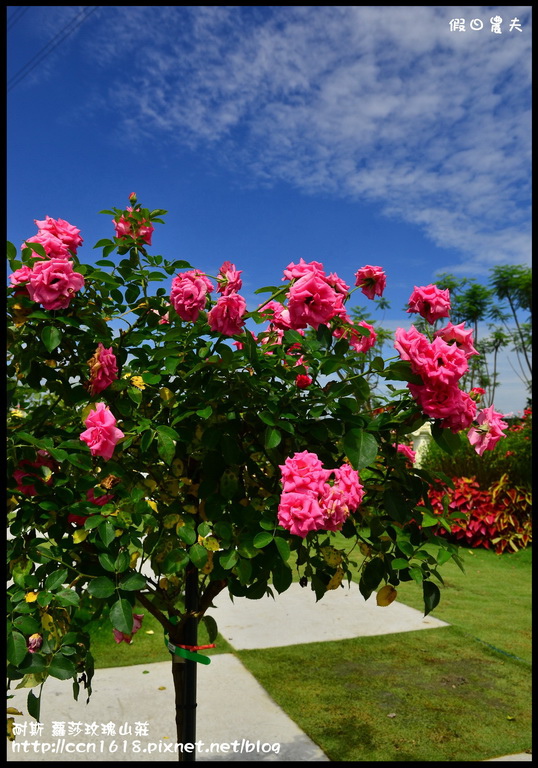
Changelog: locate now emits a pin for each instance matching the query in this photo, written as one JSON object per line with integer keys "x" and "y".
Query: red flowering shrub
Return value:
{"x": 499, "y": 516}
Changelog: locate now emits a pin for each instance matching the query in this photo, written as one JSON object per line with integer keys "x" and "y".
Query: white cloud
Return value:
{"x": 374, "y": 103}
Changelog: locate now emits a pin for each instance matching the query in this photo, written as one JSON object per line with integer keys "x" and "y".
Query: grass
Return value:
{"x": 461, "y": 692}
{"x": 148, "y": 644}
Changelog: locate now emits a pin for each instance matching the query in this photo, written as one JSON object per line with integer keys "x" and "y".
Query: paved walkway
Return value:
{"x": 240, "y": 720}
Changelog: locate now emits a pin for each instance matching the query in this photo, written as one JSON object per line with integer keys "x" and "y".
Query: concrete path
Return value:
{"x": 130, "y": 714}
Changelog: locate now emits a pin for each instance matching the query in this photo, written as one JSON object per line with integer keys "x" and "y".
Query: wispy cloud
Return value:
{"x": 377, "y": 103}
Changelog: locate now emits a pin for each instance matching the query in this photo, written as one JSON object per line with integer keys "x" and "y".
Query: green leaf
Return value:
{"x": 135, "y": 394}
{"x": 272, "y": 437}
{"x": 283, "y": 548}
{"x": 267, "y": 418}
{"x": 205, "y": 413}
{"x": 428, "y": 520}
{"x": 51, "y": 337}
{"x": 166, "y": 447}
{"x": 11, "y": 251}
{"x": 82, "y": 461}
{"x": 432, "y": 595}
{"x": 55, "y": 580}
{"x": 107, "y": 533}
{"x": 400, "y": 371}
{"x": 198, "y": 555}
{"x": 33, "y": 704}
{"x": 447, "y": 440}
{"x": 121, "y": 616}
{"x": 186, "y": 534}
{"x": 228, "y": 559}
{"x": 360, "y": 447}
{"x": 122, "y": 562}
{"x": 262, "y": 539}
{"x": 102, "y": 586}
{"x": 133, "y": 581}
{"x": 67, "y": 597}
{"x": 282, "y": 577}
{"x": 168, "y": 431}
{"x": 16, "y": 648}
{"x": 372, "y": 575}
{"x": 244, "y": 570}
{"x": 211, "y": 627}
{"x": 107, "y": 561}
{"x": 61, "y": 668}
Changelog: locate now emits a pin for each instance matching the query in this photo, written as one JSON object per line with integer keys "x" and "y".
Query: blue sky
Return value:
{"x": 345, "y": 135}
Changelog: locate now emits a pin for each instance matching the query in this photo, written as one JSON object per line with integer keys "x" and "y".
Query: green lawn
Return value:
{"x": 461, "y": 692}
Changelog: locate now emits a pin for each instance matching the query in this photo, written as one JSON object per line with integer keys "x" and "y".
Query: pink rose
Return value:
{"x": 189, "y": 294}
{"x": 407, "y": 451}
{"x": 312, "y": 301}
{"x": 488, "y": 430}
{"x": 132, "y": 227}
{"x": 456, "y": 409}
{"x": 278, "y": 316}
{"x": 371, "y": 281}
{"x": 63, "y": 230}
{"x": 120, "y": 637}
{"x": 35, "y": 642}
{"x": 334, "y": 507}
{"x": 430, "y": 302}
{"x": 102, "y": 434}
{"x": 53, "y": 283}
{"x": 411, "y": 343}
{"x": 303, "y": 472}
{"x": 440, "y": 363}
{"x": 464, "y": 339}
{"x": 338, "y": 284}
{"x": 348, "y": 481}
{"x": 103, "y": 369}
{"x": 295, "y": 271}
{"x": 54, "y": 247}
{"x": 357, "y": 341}
{"x": 20, "y": 276}
{"x": 228, "y": 279}
{"x": 226, "y": 317}
{"x": 300, "y": 513}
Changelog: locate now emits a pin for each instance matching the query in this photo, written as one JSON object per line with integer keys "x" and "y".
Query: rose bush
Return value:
{"x": 172, "y": 446}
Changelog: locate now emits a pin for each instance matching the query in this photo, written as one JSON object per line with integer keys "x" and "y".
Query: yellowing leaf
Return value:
{"x": 13, "y": 711}
{"x": 80, "y": 535}
{"x": 31, "y": 597}
{"x": 134, "y": 558}
{"x": 386, "y": 595}
{"x": 166, "y": 394}
{"x": 336, "y": 580}
{"x": 331, "y": 556}
{"x": 208, "y": 567}
{"x": 170, "y": 520}
{"x": 210, "y": 543}
{"x": 47, "y": 622}
{"x": 138, "y": 382}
